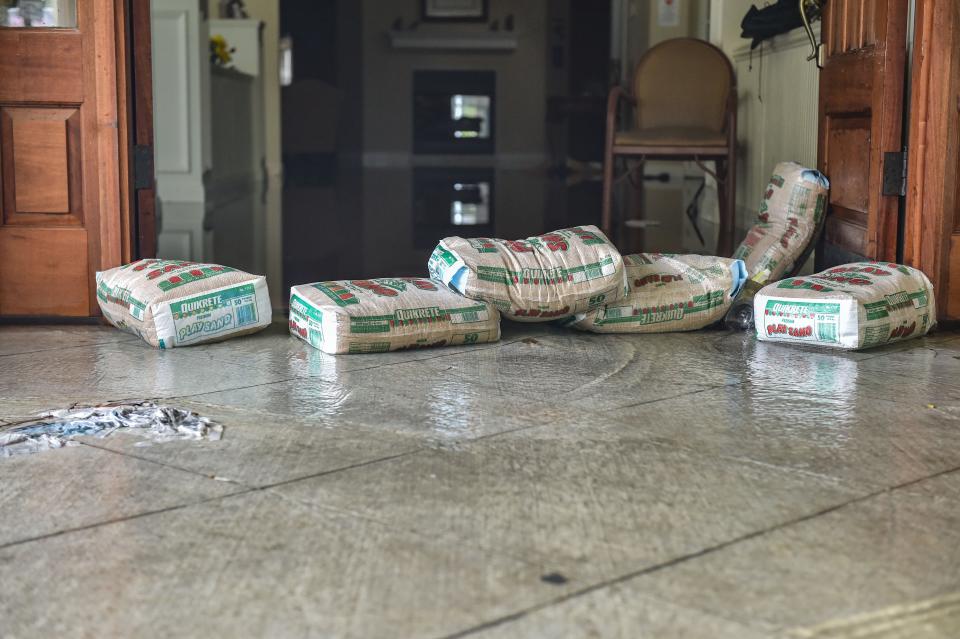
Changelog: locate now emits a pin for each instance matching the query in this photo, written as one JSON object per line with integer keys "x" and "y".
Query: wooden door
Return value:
{"x": 861, "y": 109}
{"x": 932, "y": 224}
{"x": 62, "y": 197}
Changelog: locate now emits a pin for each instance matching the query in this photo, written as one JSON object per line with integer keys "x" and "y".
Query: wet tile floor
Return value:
{"x": 555, "y": 484}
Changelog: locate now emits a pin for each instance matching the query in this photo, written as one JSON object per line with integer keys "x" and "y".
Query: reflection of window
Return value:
{"x": 454, "y": 112}
{"x": 471, "y": 114}
{"x": 471, "y": 204}
{"x": 452, "y": 201}
{"x": 38, "y": 13}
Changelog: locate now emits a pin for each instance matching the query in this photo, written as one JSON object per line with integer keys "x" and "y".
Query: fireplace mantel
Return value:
{"x": 453, "y": 40}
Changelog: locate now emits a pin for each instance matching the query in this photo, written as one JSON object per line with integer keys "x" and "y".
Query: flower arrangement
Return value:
{"x": 220, "y": 51}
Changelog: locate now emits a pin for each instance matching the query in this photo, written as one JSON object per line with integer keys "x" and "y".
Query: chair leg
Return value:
{"x": 725, "y": 188}
{"x": 731, "y": 202}
{"x": 606, "y": 216}
{"x": 638, "y": 209}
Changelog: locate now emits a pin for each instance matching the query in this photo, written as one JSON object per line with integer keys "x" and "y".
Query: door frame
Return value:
{"x": 931, "y": 221}
{"x": 135, "y": 93}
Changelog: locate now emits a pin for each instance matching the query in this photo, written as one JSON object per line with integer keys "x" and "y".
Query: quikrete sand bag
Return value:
{"x": 172, "y": 303}
{"x": 669, "y": 293}
{"x": 789, "y": 216}
{"x": 852, "y": 306}
{"x": 388, "y": 314}
{"x": 541, "y": 278}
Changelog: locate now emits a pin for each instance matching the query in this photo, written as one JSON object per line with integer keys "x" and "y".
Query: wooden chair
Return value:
{"x": 685, "y": 101}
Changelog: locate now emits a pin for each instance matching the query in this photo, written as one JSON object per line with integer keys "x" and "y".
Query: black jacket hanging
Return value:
{"x": 777, "y": 18}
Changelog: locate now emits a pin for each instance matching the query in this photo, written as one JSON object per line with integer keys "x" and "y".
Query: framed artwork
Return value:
{"x": 454, "y": 10}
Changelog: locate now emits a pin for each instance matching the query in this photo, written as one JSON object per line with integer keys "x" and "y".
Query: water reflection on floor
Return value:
{"x": 385, "y": 222}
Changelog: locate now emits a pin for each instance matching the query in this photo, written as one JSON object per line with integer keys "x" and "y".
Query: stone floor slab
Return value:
{"x": 618, "y": 612}
{"x": 258, "y": 565}
{"x": 588, "y": 505}
{"x": 16, "y": 340}
{"x": 274, "y": 348}
{"x": 410, "y": 397}
{"x": 898, "y": 546}
{"x": 841, "y": 433}
{"x": 260, "y": 449}
{"x": 124, "y": 370}
{"x": 49, "y": 492}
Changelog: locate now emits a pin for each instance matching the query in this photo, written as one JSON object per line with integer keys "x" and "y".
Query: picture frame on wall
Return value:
{"x": 454, "y": 10}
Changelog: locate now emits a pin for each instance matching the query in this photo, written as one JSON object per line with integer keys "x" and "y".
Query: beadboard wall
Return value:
{"x": 777, "y": 114}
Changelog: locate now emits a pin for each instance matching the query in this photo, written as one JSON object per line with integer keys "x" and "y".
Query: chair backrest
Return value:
{"x": 683, "y": 82}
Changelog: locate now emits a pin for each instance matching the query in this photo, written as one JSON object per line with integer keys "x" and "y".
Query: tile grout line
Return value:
{"x": 361, "y": 464}
{"x": 245, "y": 491}
{"x": 64, "y": 348}
{"x": 117, "y": 520}
{"x": 230, "y": 390}
{"x": 163, "y": 464}
{"x": 515, "y": 616}
{"x": 663, "y": 399}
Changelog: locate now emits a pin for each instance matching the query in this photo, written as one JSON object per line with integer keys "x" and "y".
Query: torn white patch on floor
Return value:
{"x": 58, "y": 428}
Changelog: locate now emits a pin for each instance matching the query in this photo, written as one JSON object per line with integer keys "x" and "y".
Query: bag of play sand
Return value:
{"x": 789, "y": 217}
{"x": 172, "y": 303}
{"x": 669, "y": 293}
{"x": 388, "y": 314}
{"x": 852, "y": 306}
{"x": 541, "y": 278}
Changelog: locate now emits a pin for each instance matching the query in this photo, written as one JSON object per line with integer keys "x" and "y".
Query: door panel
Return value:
{"x": 60, "y": 204}
{"x": 40, "y": 156}
{"x": 45, "y": 283}
{"x": 861, "y": 107}
{"x": 41, "y": 65}
{"x": 850, "y": 140}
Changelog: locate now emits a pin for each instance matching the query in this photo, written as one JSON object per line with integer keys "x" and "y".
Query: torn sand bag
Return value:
{"x": 172, "y": 303}
{"x": 59, "y": 428}
{"x": 669, "y": 293}
{"x": 541, "y": 278}
{"x": 852, "y": 306}
{"x": 789, "y": 216}
{"x": 388, "y": 314}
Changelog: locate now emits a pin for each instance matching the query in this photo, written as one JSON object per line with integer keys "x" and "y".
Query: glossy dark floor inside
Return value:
{"x": 340, "y": 224}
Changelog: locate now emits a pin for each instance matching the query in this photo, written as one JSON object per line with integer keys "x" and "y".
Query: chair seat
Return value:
{"x": 671, "y": 136}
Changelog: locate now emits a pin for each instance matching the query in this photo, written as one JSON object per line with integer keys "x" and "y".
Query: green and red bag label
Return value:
{"x": 788, "y": 218}
{"x": 538, "y": 278}
{"x": 852, "y": 306}
{"x": 668, "y": 292}
{"x": 202, "y": 317}
{"x": 178, "y": 303}
{"x": 386, "y": 314}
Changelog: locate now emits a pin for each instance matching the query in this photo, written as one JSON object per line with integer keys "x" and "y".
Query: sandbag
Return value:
{"x": 852, "y": 306}
{"x": 789, "y": 217}
{"x": 172, "y": 303}
{"x": 669, "y": 293}
{"x": 538, "y": 279}
{"x": 388, "y": 314}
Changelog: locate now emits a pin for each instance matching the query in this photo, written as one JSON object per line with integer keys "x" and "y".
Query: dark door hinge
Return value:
{"x": 142, "y": 166}
{"x": 894, "y": 173}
